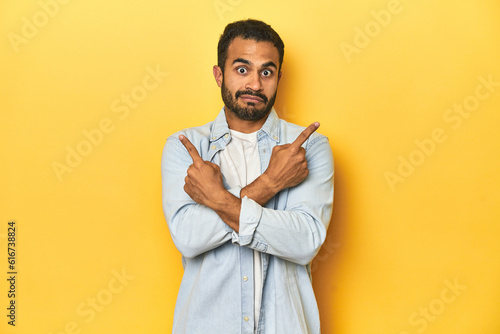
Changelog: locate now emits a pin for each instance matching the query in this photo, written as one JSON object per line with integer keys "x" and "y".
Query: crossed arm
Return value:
{"x": 287, "y": 168}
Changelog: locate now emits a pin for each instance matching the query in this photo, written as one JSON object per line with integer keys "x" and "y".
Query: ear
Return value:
{"x": 279, "y": 76}
{"x": 218, "y": 75}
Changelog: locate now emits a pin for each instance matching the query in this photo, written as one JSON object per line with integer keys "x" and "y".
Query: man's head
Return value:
{"x": 250, "y": 54}
{"x": 248, "y": 29}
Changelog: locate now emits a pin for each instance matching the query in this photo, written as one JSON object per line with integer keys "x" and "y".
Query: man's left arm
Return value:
{"x": 297, "y": 231}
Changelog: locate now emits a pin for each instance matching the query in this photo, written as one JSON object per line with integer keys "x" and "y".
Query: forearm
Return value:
{"x": 261, "y": 190}
{"x": 228, "y": 207}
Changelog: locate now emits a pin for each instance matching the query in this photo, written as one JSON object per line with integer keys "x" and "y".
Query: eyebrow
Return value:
{"x": 244, "y": 61}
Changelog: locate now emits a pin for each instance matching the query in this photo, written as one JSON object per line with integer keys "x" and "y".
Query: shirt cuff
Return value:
{"x": 250, "y": 215}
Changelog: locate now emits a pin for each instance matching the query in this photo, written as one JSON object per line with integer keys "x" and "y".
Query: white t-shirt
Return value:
{"x": 240, "y": 165}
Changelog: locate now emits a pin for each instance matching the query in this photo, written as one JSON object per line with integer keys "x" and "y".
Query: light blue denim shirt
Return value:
{"x": 217, "y": 290}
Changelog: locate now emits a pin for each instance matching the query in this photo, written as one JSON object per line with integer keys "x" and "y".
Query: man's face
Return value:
{"x": 250, "y": 80}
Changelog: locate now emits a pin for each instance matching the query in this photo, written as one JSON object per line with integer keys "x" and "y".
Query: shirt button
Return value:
{"x": 226, "y": 135}
{"x": 246, "y": 318}
{"x": 245, "y": 278}
{"x": 275, "y": 138}
{"x": 214, "y": 137}
{"x": 213, "y": 147}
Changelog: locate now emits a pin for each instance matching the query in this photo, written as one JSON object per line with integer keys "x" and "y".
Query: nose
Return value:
{"x": 254, "y": 82}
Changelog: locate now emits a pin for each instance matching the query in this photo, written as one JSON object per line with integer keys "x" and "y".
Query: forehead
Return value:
{"x": 258, "y": 52}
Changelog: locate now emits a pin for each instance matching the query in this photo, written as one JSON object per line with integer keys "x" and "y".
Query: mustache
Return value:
{"x": 250, "y": 92}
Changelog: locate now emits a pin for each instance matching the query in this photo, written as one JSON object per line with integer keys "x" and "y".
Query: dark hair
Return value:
{"x": 248, "y": 29}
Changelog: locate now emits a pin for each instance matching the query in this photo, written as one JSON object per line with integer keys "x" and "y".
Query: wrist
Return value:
{"x": 221, "y": 200}
{"x": 269, "y": 183}
{"x": 228, "y": 208}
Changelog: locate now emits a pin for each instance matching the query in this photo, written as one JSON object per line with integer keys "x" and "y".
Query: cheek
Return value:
{"x": 270, "y": 89}
{"x": 232, "y": 84}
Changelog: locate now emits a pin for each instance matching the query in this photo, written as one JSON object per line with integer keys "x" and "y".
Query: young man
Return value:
{"x": 248, "y": 199}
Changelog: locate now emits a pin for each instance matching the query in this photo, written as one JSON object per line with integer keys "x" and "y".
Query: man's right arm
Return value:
{"x": 194, "y": 228}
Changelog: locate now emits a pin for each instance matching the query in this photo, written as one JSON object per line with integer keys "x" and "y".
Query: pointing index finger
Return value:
{"x": 301, "y": 139}
{"x": 190, "y": 148}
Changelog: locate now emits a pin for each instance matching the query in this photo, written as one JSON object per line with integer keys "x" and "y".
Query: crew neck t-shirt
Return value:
{"x": 240, "y": 165}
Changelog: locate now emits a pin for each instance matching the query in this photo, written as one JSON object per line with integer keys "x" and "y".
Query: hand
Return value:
{"x": 203, "y": 182}
{"x": 288, "y": 164}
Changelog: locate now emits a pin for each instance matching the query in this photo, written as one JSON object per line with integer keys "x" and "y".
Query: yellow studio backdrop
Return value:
{"x": 407, "y": 91}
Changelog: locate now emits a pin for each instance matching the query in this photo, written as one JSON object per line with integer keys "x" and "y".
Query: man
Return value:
{"x": 248, "y": 199}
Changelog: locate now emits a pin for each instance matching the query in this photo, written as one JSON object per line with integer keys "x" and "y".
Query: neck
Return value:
{"x": 242, "y": 125}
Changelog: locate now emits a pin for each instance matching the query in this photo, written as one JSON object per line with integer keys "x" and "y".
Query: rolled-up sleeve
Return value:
{"x": 250, "y": 214}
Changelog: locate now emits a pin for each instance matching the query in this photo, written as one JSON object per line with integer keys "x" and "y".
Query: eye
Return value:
{"x": 241, "y": 70}
{"x": 267, "y": 73}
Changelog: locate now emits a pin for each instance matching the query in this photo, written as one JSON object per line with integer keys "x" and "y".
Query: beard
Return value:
{"x": 249, "y": 112}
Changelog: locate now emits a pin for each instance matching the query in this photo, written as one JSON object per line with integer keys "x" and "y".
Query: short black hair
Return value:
{"x": 248, "y": 29}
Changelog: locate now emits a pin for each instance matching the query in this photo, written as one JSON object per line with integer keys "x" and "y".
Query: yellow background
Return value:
{"x": 394, "y": 247}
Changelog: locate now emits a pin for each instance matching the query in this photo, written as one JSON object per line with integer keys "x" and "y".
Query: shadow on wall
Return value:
{"x": 325, "y": 264}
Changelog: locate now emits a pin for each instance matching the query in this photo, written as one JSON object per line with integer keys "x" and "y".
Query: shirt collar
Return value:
{"x": 270, "y": 127}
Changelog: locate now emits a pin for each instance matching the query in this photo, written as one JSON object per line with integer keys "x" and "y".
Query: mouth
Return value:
{"x": 251, "y": 98}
